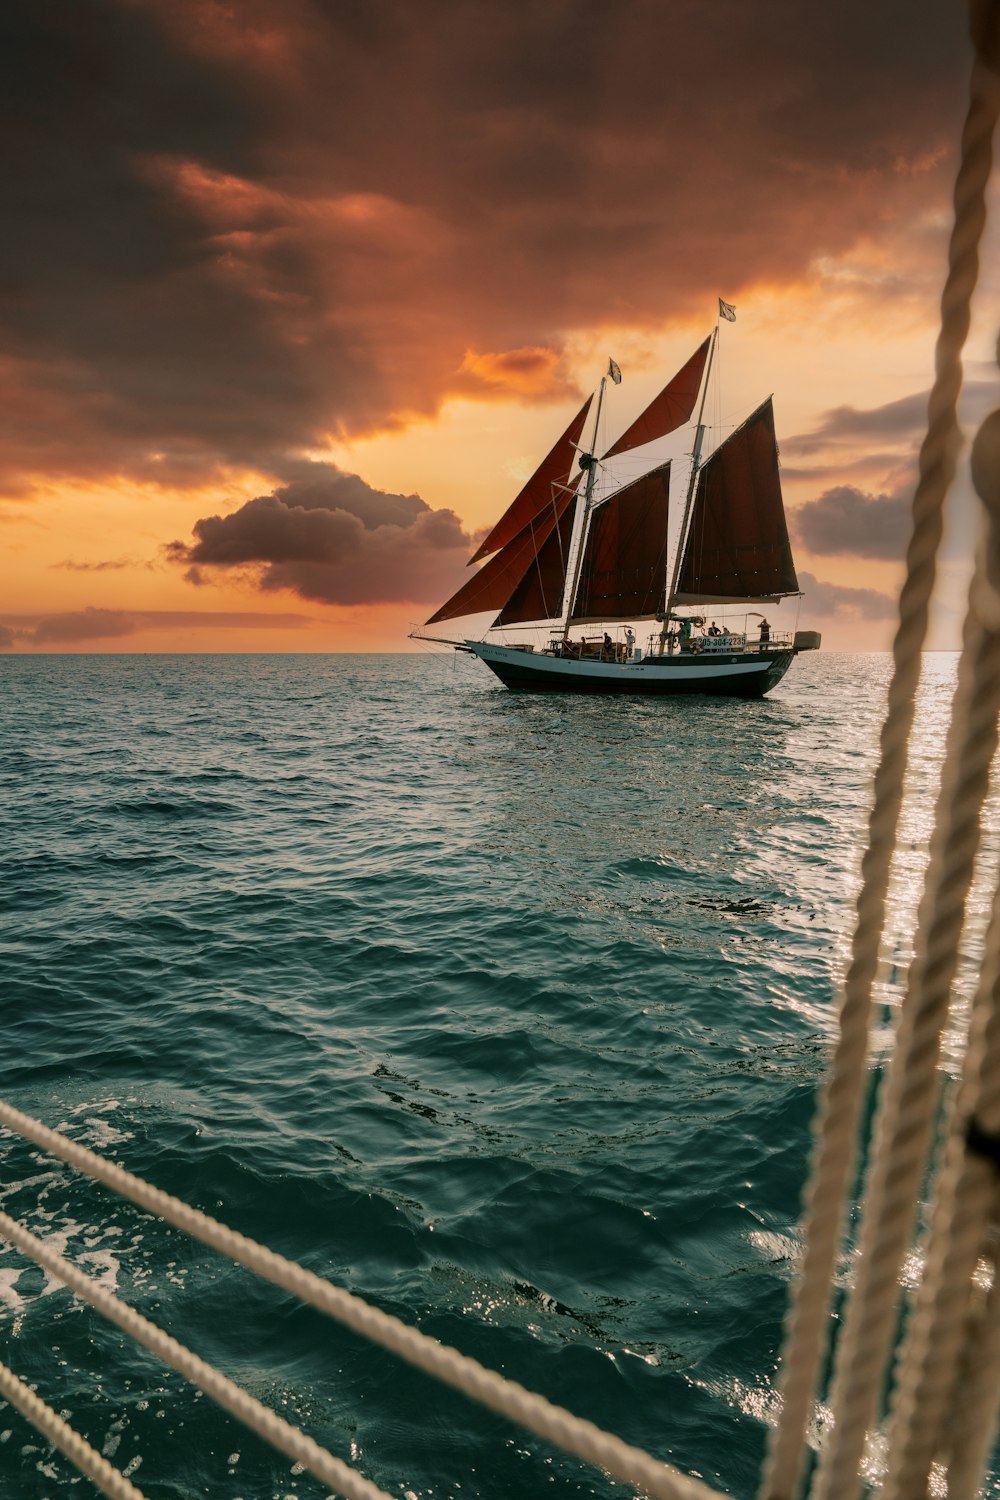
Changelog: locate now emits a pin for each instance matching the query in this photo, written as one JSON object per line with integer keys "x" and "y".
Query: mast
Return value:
{"x": 591, "y": 467}
{"x": 689, "y": 501}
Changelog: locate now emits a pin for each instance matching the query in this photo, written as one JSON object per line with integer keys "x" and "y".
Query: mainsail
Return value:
{"x": 737, "y": 543}
{"x": 536, "y": 496}
{"x": 623, "y": 571}
{"x": 492, "y": 586}
{"x": 670, "y": 409}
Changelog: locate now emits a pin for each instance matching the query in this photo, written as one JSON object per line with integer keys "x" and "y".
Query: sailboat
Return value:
{"x": 564, "y": 557}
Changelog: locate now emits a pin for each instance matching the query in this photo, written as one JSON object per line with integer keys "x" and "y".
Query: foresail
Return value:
{"x": 670, "y": 409}
{"x": 623, "y": 573}
{"x": 539, "y": 595}
{"x": 492, "y": 586}
{"x": 737, "y": 547}
{"x": 555, "y": 470}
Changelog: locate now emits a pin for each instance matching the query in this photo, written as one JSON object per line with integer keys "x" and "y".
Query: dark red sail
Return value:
{"x": 539, "y": 595}
{"x": 497, "y": 579}
{"x": 670, "y": 409}
{"x": 623, "y": 575}
{"x": 536, "y": 496}
{"x": 737, "y": 545}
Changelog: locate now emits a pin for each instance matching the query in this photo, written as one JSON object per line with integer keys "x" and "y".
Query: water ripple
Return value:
{"x": 507, "y": 1013}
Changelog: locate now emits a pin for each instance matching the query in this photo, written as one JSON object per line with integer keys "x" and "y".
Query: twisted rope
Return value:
{"x": 964, "y": 1206}
{"x": 109, "y": 1480}
{"x": 835, "y": 1149}
{"x": 557, "y": 1426}
{"x": 239, "y": 1403}
{"x": 965, "y": 1200}
{"x": 905, "y": 1120}
{"x": 975, "y": 1414}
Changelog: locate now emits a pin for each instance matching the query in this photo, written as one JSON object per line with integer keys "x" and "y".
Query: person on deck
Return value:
{"x": 765, "y": 633}
{"x": 608, "y": 648}
{"x": 685, "y": 635}
{"x": 629, "y": 641}
{"x": 713, "y": 629}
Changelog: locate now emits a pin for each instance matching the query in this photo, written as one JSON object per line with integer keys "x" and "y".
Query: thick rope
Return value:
{"x": 964, "y": 1204}
{"x": 835, "y": 1150}
{"x": 965, "y": 1200}
{"x": 557, "y": 1426}
{"x": 109, "y": 1480}
{"x": 907, "y": 1106}
{"x": 244, "y": 1407}
{"x": 975, "y": 1415}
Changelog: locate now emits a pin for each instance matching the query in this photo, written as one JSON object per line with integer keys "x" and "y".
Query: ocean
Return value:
{"x": 506, "y": 1012}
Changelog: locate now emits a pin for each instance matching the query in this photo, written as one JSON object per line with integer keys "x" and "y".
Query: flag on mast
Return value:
{"x": 727, "y": 311}
{"x": 615, "y": 372}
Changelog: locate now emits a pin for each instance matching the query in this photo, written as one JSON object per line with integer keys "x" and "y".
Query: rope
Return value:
{"x": 836, "y": 1129}
{"x": 965, "y": 1202}
{"x": 109, "y": 1480}
{"x": 572, "y": 1434}
{"x": 976, "y": 1415}
{"x": 905, "y": 1120}
{"x": 259, "y": 1418}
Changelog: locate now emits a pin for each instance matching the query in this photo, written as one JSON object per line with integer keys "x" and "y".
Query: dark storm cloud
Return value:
{"x": 233, "y": 230}
{"x": 903, "y": 421}
{"x": 93, "y": 624}
{"x": 328, "y": 536}
{"x": 315, "y": 486}
{"x": 836, "y": 599}
{"x": 143, "y": 335}
{"x": 844, "y": 521}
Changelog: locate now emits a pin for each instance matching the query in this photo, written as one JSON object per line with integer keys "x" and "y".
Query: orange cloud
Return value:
{"x": 535, "y": 371}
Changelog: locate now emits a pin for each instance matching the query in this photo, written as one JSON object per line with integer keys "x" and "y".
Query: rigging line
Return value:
{"x": 553, "y": 1423}
{"x": 239, "y": 1403}
{"x": 538, "y": 566}
{"x": 835, "y": 1131}
{"x": 976, "y": 1410}
{"x": 104, "y": 1476}
{"x": 976, "y": 1416}
{"x": 902, "y": 1131}
{"x": 904, "y": 1126}
{"x": 717, "y": 396}
{"x": 965, "y": 1199}
{"x": 562, "y": 555}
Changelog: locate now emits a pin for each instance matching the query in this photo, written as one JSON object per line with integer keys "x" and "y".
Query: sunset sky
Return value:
{"x": 297, "y": 293}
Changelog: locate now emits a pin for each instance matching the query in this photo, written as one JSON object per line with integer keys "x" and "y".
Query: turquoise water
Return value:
{"x": 508, "y": 1013}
